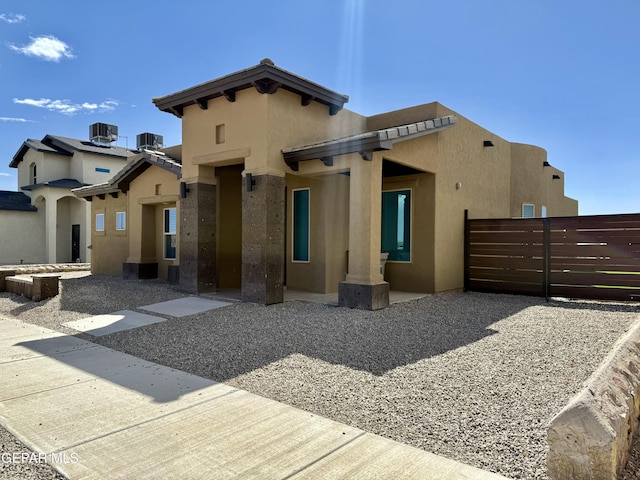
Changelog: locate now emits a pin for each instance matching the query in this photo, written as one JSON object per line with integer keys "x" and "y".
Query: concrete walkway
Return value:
{"x": 93, "y": 412}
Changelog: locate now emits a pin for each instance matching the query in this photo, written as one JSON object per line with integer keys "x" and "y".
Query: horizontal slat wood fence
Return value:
{"x": 592, "y": 257}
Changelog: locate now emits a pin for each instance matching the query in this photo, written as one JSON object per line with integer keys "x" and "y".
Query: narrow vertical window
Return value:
{"x": 99, "y": 222}
{"x": 396, "y": 225}
{"x": 301, "y": 225}
{"x": 220, "y": 133}
{"x": 34, "y": 174}
{"x": 121, "y": 220}
{"x": 170, "y": 233}
{"x": 528, "y": 210}
{"x": 544, "y": 211}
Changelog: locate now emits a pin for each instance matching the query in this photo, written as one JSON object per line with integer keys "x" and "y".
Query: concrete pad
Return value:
{"x": 62, "y": 418}
{"x": 332, "y": 298}
{"x": 372, "y": 457}
{"x": 17, "y": 338}
{"x": 113, "y": 322}
{"x": 240, "y": 435}
{"x": 38, "y": 374}
{"x": 182, "y": 307}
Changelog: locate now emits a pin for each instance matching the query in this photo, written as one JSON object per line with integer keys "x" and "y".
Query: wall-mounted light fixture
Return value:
{"x": 184, "y": 189}
{"x": 250, "y": 182}
{"x": 487, "y": 143}
{"x": 458, "y": 186}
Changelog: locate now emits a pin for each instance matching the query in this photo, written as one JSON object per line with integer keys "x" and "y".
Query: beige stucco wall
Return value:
{"x": 460, "y": 174}
{"x": 49, "y": 167}
{"x": 149, "y": 194}
{"x": 229, "y": 226}
{"x": 328, "y": 236}
{"x": 109, "y": 248}
{"x": 83, "y": 167}
{"x": 533, "y": 183}
{"x": 22, "y": 237}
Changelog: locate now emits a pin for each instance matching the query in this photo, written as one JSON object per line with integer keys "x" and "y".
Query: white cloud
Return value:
{"x": 46, "y": 47}
{"x": 2, "y": 174}
{"x": 12, "y": 17}
{"x": 67, "y": 107}
{"x": 13, "y": 119}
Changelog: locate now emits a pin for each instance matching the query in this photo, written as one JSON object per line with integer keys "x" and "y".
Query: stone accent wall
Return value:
{"x": 198, "y": 239}
{"x": 263, "y": 227}
{"x": 590, "y": 438}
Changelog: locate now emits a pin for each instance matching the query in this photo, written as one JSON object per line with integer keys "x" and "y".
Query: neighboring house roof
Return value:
{"x": 365, "y": 143}
{"x": 265, "y": 77}
{"x": 61, "y": 183}
{"x": 122, "y": 180}
{"x": 17, "y": 201}
{"x": 66, "y": 146}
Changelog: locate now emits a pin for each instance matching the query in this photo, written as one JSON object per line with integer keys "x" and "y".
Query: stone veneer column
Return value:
{"x": 263, "y": 240}
{"x": 364, "y": 286}
{"x": 198, "y": 239}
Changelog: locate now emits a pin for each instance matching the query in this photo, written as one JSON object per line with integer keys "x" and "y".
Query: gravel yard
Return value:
{"x": 470, "y": 376}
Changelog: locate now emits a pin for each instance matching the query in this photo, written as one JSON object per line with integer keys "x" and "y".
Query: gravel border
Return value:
{"x": 474, "y": 377}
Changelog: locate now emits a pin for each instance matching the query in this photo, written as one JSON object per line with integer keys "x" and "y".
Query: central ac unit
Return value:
{"x": 103, "y": 133}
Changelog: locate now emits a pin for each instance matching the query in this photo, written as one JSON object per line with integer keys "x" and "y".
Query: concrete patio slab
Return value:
{"x": 113, "y": 322}
{"x": 332, "y": 298}
{"x": 181, "y": 307}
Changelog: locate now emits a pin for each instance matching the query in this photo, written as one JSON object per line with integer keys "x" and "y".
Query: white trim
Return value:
{"x": 166, "y": 234}
{"x": 529, "y": 205}
{"x": 125, "y": 221}
{"x": 99, "y": 215}
{"x": 410, "y": 189}
{"x": 293, "y": 220}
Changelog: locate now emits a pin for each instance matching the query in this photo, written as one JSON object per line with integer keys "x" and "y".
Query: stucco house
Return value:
{"x": 44, "y": 222}
{"x": 276, "y": 184}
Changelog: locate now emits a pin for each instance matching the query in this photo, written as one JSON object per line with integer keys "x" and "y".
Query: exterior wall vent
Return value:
{"x": 103, "y": 134}
{"x": 149, "y": 141}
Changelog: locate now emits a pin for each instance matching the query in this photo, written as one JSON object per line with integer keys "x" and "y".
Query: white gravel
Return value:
{"x": 470, "y": 376}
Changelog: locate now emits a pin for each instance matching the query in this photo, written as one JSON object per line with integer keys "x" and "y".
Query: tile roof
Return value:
{"x": 121, "y": 181}
{"x": 61, "y": 183}
{"x": 16, "y": 201}
{"x": 265, "y": 77}
{"x": 58, "y": 145}
{"x": 365, "y": 143}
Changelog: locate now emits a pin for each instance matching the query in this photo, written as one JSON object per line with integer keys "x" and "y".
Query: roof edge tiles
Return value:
{"x": 264, "y": 77}
{"x": 16, "y": 201}
{"x": 38, "y": 146}
{"x": 122, "y": 180}
{"x": 365, "y": 143}
{"x": 60, "y": 183}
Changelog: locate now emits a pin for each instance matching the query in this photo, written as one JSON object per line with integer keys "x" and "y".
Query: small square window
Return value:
{"x": 99, "y": 222}
{"x": 121, "y": 220}
{"x": 528, "y": 210}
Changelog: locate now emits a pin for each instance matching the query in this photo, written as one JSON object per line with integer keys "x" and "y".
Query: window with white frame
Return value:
{"x": 528, "y": 210}
{"x": 396, "y": 225}
{"x": 301, "y": 225}
{"x": 544, "y": 211}
{"x": 33, "y": 174}
{"x": 169, "y": 232}
{"x": 99, "y": 222}
{"x": 121, "y": 220}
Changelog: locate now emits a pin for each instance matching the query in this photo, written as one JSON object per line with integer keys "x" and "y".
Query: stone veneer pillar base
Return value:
{"x": 364, "y": 297}
{"x": 198, "y": 239}
{"x": 263, "y": 241}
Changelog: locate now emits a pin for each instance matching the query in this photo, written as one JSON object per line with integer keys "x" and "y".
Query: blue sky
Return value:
{"x": 563, "y": 75}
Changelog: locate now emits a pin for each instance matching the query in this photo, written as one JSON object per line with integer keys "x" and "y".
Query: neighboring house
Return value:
{"x": 279, "y": 185}
{"x": 49, "y": 224}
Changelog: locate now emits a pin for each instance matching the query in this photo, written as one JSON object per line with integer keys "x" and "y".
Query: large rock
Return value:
{"x": 590, "y": 438}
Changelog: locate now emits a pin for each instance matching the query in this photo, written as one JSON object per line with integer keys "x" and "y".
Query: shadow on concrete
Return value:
{"x": 158, "y": 382}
